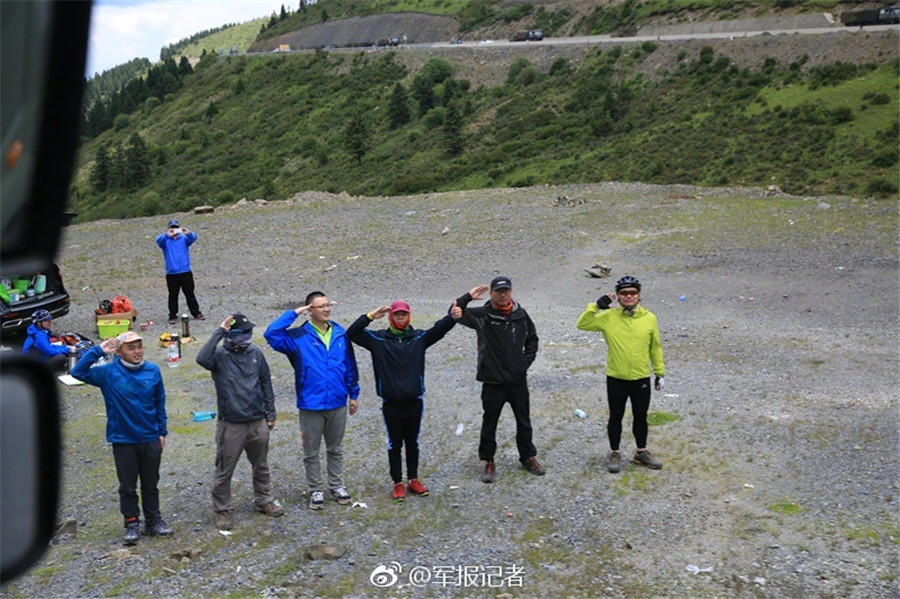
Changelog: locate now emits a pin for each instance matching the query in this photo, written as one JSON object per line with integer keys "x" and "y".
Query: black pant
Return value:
{"x": 403, "y": 420}
{"x": 617, "y": 393}
{"x": 182, "y": 282}
{"x": 492, "y": 399}
{"x": 132, "y": 461}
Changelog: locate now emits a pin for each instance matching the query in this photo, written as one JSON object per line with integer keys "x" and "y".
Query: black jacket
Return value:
{"x": 506, "y": 346}
{"x": 398, "y": 360}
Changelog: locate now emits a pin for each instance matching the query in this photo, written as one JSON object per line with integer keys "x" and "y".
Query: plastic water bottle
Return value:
{"x": 172, "y": 357}
{"x": 201, "y": 416}
{"x": 580, "y": 413}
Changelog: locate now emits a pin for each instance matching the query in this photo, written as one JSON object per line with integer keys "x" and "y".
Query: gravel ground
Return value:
{"x": 780, "y": 446}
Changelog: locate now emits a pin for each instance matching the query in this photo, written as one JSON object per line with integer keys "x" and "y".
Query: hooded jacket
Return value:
{"x": 398, "y": 360}
{"x": 506, "y": 346}
{"x": 323, "y": 377}
{"x": 633, "y": 340}
{"x": 39, "y": 339}
{"x": 175, "y": 251}
{"x": 243, "y": 381}
{"x": 135, "y": 399}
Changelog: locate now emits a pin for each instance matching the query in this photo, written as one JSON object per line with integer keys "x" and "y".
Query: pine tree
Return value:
{"x": 357, "y": 135}
{"x": 398, "y": 106}
{"x": 137, "y": 163}
{"x": 453, "y": 125}
{"x": 100, "y": 173}
{"x": 184, "y": 67}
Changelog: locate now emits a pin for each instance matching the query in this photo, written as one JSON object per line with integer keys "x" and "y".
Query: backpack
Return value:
{"x": 106, "y": 307}
{"x": 121, "y": 304}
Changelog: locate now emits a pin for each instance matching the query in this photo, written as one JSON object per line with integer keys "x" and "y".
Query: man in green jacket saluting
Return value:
{"x": 632, "y": 335}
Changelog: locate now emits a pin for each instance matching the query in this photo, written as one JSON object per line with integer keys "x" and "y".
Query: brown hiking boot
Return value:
{"x": 532, "y": 465}
{"x": 646, "y": 458}
{"x": 271, "y": 509}
{"x": 489, "y": 474}
{"x": 224, "y": 521}
{"x": 614, "y": 464}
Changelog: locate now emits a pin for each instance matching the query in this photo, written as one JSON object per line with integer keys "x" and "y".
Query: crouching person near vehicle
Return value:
{"x": 135, "y": 426}
{"x": 246, "y": 406}
{"x": 38, "y": 341}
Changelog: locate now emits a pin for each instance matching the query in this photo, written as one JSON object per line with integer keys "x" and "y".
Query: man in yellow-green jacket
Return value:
{"x": 632, "y": 336}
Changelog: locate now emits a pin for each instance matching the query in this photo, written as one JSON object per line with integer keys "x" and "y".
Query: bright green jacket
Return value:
{"x": 633, "y": 341}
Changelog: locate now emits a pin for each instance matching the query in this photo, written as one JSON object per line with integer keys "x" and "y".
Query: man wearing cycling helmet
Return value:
{"x": 632, "y": 336}
{"x": 38, "y": 341}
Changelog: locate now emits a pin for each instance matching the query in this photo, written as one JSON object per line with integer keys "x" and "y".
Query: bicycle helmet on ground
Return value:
{"x": 626, "y": 282}
{"x": 41, "y": 316}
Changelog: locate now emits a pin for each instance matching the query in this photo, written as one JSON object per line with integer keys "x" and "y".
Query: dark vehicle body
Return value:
{"x": 534, "y": 35}
{"x": 15, "y": 317}
{"x": 871, "y": 16}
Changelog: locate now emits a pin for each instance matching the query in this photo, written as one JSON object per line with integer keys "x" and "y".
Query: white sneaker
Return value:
{"x": 340, "y": 495}
{"x": 316, "y": 500}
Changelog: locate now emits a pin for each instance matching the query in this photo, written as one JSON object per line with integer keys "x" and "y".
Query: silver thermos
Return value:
{"x": 185, "y": 326}
{"x": 72, "y": 358}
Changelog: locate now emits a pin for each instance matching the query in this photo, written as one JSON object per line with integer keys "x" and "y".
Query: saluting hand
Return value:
{"x": 477, "y": 292}
{"x": 379, "y": 312}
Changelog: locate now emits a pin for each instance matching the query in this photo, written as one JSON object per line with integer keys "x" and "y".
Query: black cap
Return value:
{"x": 501, "y": 283}
{"x": 239, "y": 322}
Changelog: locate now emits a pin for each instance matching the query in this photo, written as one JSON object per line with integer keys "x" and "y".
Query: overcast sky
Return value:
{"x": 125, "y": 29}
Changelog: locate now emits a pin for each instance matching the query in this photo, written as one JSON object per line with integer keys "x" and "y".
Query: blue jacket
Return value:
{"x": 39, "y": 339}
{"x": 398, "y": 360}
{"x": 135, "y": 399}
{"x": 323, "y": 378}
{"x": 175, "y": 251}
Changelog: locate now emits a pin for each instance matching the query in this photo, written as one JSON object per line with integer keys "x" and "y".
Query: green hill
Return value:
{"x": 387, "y": 123}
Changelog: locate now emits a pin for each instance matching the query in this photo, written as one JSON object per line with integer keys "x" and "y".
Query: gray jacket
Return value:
{"x": 243, "y": 382}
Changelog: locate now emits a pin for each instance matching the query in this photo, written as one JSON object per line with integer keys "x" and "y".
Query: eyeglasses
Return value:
{"x": 323, "y": 306}
{"x": 629, "y": 293}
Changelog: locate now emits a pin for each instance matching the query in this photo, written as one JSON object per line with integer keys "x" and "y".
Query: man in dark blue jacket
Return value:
{"x": 136, "y": 425}
{"x": 398, "y": 359}
{"x": 325, "y": 376}
{"x": 174, "y": 244}
{"x": 507, "y": 346}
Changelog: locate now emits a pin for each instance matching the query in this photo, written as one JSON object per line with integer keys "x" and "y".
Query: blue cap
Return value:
{"x": 174, "y": 223}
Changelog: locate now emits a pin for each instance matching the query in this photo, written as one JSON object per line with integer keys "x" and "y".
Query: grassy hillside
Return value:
{"x": 363, "y": 123}
{"x": 240, "y": 36}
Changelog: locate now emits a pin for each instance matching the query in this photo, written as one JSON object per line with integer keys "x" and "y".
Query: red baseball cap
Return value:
{"x": 400, "y": 306}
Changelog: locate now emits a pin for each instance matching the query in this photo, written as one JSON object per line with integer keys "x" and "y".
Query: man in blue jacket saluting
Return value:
{"x": 136, "y": 425}
{"x": 325, "y": 376}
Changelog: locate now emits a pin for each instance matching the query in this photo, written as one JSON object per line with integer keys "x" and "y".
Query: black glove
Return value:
{"x": 603, "y": 302}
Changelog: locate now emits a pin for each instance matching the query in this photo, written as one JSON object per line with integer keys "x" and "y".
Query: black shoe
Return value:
{"x": 173, "y": 320}
{"x": 199, "y": 316}
{"x": 158, "y": 528}
{"x": 132, "y": 533}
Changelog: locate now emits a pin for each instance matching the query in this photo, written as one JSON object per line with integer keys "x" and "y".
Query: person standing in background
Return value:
{"x": 175, "y": 244}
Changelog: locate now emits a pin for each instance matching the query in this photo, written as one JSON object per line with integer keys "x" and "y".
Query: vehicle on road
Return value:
{"x": 871, "y": 16}
{"x": 533, "y": 35}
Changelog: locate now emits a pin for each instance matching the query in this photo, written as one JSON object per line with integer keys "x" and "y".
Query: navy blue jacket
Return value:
{"x": 135, "y": 399}
{"x": 398, "y": 360}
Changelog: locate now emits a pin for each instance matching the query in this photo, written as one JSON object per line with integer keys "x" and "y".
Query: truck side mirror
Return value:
{"x": 43, "y": 46}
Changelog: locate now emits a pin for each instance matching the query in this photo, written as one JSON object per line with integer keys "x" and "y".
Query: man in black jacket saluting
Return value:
{"x": 507, "y": 346}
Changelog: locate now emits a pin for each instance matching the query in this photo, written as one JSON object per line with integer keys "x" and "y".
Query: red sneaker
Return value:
{"x": 399, "y": 492}
{"x": 416, "y": 488}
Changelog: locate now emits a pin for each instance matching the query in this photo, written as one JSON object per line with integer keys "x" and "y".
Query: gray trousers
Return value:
{"x": 233, "y": 439}
{"x": 315, "y": 424}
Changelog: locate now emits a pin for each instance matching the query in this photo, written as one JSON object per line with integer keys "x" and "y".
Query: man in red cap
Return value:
{"x": 398, "y": 359}
{"x": 507, "y": 346}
